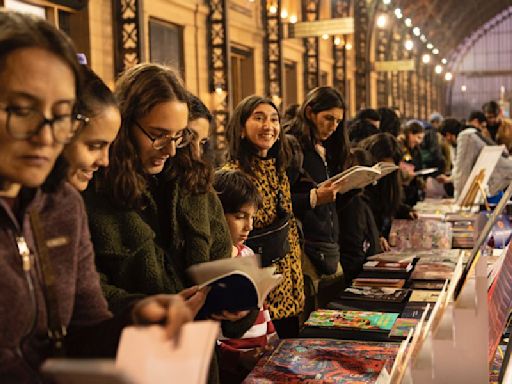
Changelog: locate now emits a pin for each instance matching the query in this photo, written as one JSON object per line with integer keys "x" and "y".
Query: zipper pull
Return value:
{"x": 24, "y": 252}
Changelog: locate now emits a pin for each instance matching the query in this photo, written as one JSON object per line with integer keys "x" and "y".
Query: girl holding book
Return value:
{"x": 257, "y": 147}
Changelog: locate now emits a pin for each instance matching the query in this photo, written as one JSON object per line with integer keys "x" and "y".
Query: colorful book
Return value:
{"x": 426, "y": 284}
{"x": 386, "y": 266}
{"x": 395, "y": 295}
{"x": 297, "y": 361}
{"x": 376, "y": 282}
{"x": 361, "y": 320}
{"x": 402, "y": 327}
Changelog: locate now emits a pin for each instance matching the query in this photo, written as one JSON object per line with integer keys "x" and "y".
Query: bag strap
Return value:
{"x": 56, "y": 330}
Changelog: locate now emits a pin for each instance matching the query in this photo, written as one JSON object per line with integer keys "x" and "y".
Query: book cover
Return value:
{"x": 376, "y": 282}
{"x": 361, "y": 320}
{"x": 420, "y": 234}
{"x": 426, "y": 284}
{"x": 387, "y": 266}
{"x": 425, "y": 296}
{"x": 323, "y": 361}
{"x": 433, "y": 271}
{"x": 395, "y": 295}
{"x": 402, "y": 327}
{"x": 236, "y": 283}
{"x": 414, "y": 310}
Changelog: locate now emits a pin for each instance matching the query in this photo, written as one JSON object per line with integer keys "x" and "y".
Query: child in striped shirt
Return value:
{"x": 240, "y": 200}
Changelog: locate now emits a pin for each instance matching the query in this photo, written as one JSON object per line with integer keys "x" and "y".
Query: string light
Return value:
{"x": 408, "y": 22}
{"x": 382, "y": 20}
{"x": 444, "y": 61}
{"x": 438, "y": 69}
{"x": 293, "y": 19}
{"x": 448, "y": 76}
{"x": 409, "y": 45}
{"x": 416, "y": 31}
{"x": 284, "y": 14}
{"x": 425, "y": 58}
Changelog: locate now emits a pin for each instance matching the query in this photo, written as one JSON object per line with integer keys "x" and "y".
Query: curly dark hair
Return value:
{"x": 241, "y": 149}
{"x": 138, "y": 90}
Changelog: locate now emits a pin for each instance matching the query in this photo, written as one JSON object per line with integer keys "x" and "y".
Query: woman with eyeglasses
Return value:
{"x": 152, "y": 212}
{"x": 50, "y": 295}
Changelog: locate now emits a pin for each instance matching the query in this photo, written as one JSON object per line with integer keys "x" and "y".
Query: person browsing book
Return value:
{"x": 152, "y": 212}
{"x": 257, "y": 147}
{"x": 323, "y": 146}
{"x": 50, "y": 295}
{"x": 240, "y": 200}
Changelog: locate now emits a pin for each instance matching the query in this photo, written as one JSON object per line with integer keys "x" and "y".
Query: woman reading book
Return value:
{"x": 323, "y": 146}
{"x": 152, "y": 212}
{"x": 50, "y": 296}
{"x": 256, "y": 146}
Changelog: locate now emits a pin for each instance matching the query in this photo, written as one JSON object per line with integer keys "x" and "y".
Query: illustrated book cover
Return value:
{"x": 361, "y": 320}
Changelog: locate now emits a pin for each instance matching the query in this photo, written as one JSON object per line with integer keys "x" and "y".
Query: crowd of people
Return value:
{"x": 107, "y": 197}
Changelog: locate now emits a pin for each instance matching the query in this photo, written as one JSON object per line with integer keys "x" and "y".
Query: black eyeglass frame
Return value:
{"x": 77, "y": 120}
{"x": 185, "y": 135}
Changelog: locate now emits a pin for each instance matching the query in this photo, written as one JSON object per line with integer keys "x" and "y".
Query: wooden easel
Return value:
{"x": 475, "y": 187}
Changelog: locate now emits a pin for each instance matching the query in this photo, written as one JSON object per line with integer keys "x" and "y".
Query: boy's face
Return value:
{"x": 240, "y": 223}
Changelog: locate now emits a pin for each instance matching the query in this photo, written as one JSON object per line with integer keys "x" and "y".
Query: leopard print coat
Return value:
{"x": 287, "y": 299}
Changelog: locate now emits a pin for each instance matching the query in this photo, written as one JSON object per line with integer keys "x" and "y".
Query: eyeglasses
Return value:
{"x": 23, "y": 123}
{"x": 180, "y": 140}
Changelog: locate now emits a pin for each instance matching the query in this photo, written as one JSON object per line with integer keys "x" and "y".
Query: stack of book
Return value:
{"x": 463, "y": 229}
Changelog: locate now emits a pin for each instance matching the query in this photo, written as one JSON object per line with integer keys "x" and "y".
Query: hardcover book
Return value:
{"x": 425, "y": 296}
{"x": 386, "y": 266}
{"x": 322, "y": 361}
{"x": 433, "y": 271}
{"x": 402, "y": 327}
{"x": 395, "y": 295}
{"x": 361, "y": 320}
{"x": 376, "y": 282}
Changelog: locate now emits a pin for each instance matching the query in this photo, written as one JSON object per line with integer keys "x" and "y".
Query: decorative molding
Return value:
{"x": 311, "y": 12}
{"x": 273, "y": 50}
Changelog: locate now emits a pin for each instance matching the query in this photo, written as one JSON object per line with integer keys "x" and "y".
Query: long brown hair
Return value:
{"x": 337, "y": 145}
{"x": 138, "y": 90}
{"x": 241, "y": 149}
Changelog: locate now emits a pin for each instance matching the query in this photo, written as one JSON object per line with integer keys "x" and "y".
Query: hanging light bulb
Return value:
{"x": 348, "y": 46}
{"x": 272, "y": 9}
{"x": 325, "y": 36}
{"x": 409, "y": 45}
{"x": 448, "y": 76}
{"x": 435, "y": 51}
{"x": 293, "y": 19}
{"x": 284, "y": 14}
{"x": 423, "y": 38}
{"x": 337, "y": 40}
{"x": 438, "y": 69}
{"x": 386, "y": 2}
{"x": 444, "y": 61}
{"x": 463, "y": 88}
{"x": 408, "y": 22}
{"x": 425, "y": 58}
{"x": 382, "y": 20}
{"x": 398, "y": 13}
{"x": 416, "y": 31}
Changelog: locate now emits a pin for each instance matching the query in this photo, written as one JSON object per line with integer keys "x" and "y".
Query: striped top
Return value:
{"x": 256, "y": 337}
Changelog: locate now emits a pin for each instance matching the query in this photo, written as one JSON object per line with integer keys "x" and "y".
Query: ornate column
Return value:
{"x": 311, "y": 12}
{"x": 219, "y": 68}
{"x": 128, "y": 33}
{"x": 273, "y": 50}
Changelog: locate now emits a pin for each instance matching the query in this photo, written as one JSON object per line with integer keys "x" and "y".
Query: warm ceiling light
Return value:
{"x": 409, "y": 45}
{"x": 293, "y": 19}
{"x": 382, "y": 20}
{"x": 348, "y": 46}
{"x": 284, "y": 14}
{"x": 448, "y": 76}
{"x": 408, "y": 22}
{"x": 272, "y": 9}
{"x": 444, "y": 61}
{"x": 337, "y": 40}
{"x": 416, "y": 31}
{"x": 438, "y": 69}
{"x": 463, "y": 88}
{"x": 423, "y": 38}
{"x": 435, "y": 51}
{"x": 386, "y": 2}
{"x": 430, "y": 46}
{"x": 398, "y": 13}
{"x": 425, "y": 58}
{"x": 325, "y": 36}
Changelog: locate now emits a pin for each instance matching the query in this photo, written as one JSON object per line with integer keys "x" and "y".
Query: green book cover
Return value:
{"x": 363, "y": 320}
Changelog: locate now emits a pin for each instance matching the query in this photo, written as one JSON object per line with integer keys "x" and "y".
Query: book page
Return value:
{"x": 148, "y": 356}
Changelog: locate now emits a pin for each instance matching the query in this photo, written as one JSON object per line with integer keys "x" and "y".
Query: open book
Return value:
{"x": 360, "y": 176}
{"x": 236, "y": 284}
{"x": 145, "y": 355}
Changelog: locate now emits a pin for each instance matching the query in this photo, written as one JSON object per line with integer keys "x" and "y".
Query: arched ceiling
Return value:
{"x": 446, "y": 23}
